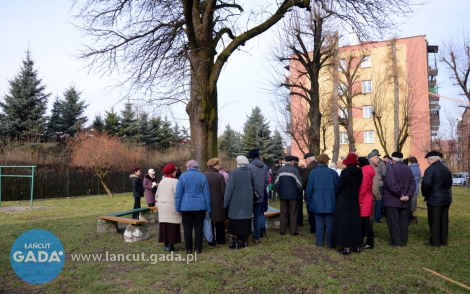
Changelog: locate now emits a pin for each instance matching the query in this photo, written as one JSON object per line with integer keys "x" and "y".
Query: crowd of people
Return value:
{"x": 342, "y": 204}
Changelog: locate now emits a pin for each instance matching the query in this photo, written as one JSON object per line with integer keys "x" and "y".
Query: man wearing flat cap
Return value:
{"x": 311, "y": 165}
{"x": 399, "y": 188}
{"x": 436, "y": 189}
{"x": 289, "y": 185}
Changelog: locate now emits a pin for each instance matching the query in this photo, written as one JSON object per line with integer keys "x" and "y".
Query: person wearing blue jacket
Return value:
{"x": 192, "y": 200}
{"x": 414, "y": 166}
{"x": 321, "y": 198}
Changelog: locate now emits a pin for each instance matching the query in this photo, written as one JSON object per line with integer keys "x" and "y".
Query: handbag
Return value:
{"x": 208, "y": 228}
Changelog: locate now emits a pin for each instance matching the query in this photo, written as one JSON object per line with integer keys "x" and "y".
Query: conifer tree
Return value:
{"x": 67, "y": 115}
{"x": 128, "y": 124}
{"x": 111, "y": 122}
{"x": 277, "y": 145}
{"x": 257, "y": 135}
{"x": 25, "y": 105}
{"x": 98, "y": 123}
{"x": 231, "y": 142}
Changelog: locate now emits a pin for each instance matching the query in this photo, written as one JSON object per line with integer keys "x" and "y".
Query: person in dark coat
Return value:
{"x": 321, "y": 199}
{"x": 289, "y": 185}
{"x": 137, "y": 190}
{"x": 217, "y": 189}
{"x": 311, "y": 165}
{"x": 347, "y": 217}
{"x": 260, "y": 181}
{"x": 274, "y": 170}
{"x": 436, "y": 190}
{"x": 399, "y": 188}
{"x": 150, "y": 186}
{"x": 300, "y": 203}
{"x": 238, "y": 199}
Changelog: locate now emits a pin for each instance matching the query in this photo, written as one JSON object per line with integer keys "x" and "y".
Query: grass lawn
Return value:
{"x": 280, "y": 264}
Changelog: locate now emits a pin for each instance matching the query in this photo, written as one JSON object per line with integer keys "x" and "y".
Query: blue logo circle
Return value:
{"x": 37, "y": 256}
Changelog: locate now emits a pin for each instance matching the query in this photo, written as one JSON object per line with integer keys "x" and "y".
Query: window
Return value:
{"x": 367, "y": 111}
{"x": 342, "y": 89}
{"x": 369, "y": 137}
{"x": 342, "y": 64}
{"x": 366, "y": 86}
{"x": 366, "y": 62}
{"x": 343, "y": 138}
{"x": 342, "y": 112}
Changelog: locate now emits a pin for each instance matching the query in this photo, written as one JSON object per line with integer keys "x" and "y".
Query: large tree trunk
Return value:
{"x": 106, "y": 188}
{"x": 202, "y": 108}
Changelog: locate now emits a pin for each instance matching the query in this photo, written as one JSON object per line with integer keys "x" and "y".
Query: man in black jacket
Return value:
{"x": 274, "y": 170}
{"x": 289, "y": 185}
{"x": 436, "y": 189}
{"x": 311, "y": 165}
{"x": 300, "y": 202}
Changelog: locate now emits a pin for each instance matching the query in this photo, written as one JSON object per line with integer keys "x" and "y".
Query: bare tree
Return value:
{"x": 172, "y": 48}
{"x": 456, "y": 56}
{"x": 103, "y": 153}
{"x": 309, "y": 42}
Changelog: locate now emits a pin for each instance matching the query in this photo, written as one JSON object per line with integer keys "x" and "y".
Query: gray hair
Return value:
{"x": 397, "y": 159}
{"x": 434, "y": 158}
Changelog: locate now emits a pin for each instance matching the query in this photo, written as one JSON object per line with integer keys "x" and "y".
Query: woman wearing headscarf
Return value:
{"x": 150, "y": 185}
{"x": 321, "y": 198}
{"x": 193, "y": 200}
{"x": 217, "y": 189}
{"x": 169, "y": 221}
{"x": 366, "y": 201}
{"x": 238, "y": 199}
{"x": 347, "y": 217}
{"x": 137, "y": 190}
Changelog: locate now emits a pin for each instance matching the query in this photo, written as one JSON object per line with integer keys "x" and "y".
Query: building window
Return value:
{"x": 367, "y": 111}
{"x": 343, "y": 138}
{"x": 342, "y": 89}
{"x": 366, "y": 86}
{"x": 343, "y": 112}
{"x": 369, "y": 137}
{"x": 366, "y": 62}
{"x": 342, "y": 64}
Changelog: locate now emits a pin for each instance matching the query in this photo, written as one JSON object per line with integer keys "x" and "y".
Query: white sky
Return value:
{"x": 44, "y": 27}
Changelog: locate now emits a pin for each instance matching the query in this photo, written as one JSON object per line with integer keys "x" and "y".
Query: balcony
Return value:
{"x": 432, "y": 72}
{"x": 432, "y": 84}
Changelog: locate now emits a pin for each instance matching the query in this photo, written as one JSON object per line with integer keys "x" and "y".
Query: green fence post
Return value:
{"x": 32, "y": 187}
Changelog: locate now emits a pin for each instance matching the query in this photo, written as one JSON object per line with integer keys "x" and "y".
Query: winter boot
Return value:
{"x": 263, "y": 232}
{"x": 166, "y": 247}
{"x": 172, "y": 248}
{"x": 414, "y": 220}
{"x": 234, "y": 244}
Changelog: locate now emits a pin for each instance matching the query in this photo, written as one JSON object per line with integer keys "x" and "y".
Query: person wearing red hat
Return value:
{"x": 169, "y": 231}
{"x": 347, "y": 217}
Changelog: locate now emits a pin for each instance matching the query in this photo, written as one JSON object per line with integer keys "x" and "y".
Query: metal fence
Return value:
{"x": 67, "y": 183}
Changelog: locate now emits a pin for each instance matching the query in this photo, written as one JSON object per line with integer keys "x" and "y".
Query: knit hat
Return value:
{"x": 192, "y": 164}
{"x": 254, "y": 153}
{"x": 363, "y": 161}
{"x": 351, "y": 159}
{"x": 212, "y": 162}
{"x": 242, "y": 160}
{"x": 151, "y": 171}
{"x": 169, "y": 168}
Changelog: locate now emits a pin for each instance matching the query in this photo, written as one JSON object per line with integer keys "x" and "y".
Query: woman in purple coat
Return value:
{"x": 150, "y": 186}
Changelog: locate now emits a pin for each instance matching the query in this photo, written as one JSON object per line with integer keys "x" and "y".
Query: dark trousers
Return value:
{"x": 219, "y": 232}
{"x": 438, "y": 219}
{"x": 136, "y": 205}
{"x": 378, "y": 206}
{"x": 312, "y": 221}
{"x": 300, "y": 212}
{"x": 291, "y": 207}
{"x": 193, "y": 219}
{"x": 367, "y": 230}
{"x": 397, "y": 222}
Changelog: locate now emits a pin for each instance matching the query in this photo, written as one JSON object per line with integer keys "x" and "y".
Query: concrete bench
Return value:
{"x": 136, "y": 229}
{"x": 272, "y": 216}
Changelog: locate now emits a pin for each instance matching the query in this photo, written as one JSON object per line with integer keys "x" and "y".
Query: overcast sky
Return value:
{"x": 44, "y": 27}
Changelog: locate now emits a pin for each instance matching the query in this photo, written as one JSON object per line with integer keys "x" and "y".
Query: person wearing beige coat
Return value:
{"x": 169, "y": 220}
